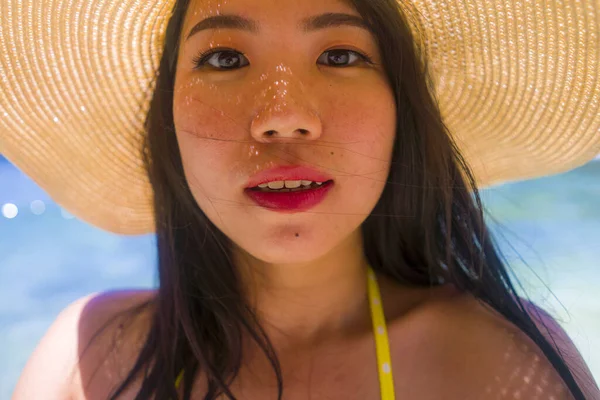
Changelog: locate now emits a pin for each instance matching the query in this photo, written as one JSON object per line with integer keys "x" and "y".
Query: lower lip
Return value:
{"x": 302, "y": 200}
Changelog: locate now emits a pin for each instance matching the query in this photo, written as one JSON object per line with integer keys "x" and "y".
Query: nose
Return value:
{"x": 284, "y": 113}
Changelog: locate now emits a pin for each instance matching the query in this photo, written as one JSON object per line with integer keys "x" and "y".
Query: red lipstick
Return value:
{"x": 297, "y": 200}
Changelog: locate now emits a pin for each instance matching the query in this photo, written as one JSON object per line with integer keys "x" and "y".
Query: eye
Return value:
{"x": 229, "y": 59}
{"x": 340, "y": 57}
{"x": 224, "y": 59}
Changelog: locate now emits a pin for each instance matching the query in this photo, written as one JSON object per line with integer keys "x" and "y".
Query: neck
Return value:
{"x": 310, "y": 302}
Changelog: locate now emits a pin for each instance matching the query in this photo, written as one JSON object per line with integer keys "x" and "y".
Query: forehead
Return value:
{"x": 265, "y": 12}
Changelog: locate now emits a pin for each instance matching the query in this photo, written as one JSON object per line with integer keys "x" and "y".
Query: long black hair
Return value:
{"x": 427, "y": 229}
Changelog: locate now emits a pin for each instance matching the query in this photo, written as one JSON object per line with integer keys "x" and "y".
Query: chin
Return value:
{"x": 298, "y": 243}
{"x": 294, "y": 250}
{"x": 268, "y": 257}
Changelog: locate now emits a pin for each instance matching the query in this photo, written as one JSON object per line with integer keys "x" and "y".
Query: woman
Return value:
{"x": 319, "y": 233}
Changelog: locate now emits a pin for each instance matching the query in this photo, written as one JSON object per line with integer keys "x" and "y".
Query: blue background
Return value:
{"x": 548, "y": 228}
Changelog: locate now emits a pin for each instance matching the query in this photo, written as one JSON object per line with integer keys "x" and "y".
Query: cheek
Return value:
{"x": 209, "y": 138}
{"x": 203, "y": 121}
{"x": 366, "y": 129}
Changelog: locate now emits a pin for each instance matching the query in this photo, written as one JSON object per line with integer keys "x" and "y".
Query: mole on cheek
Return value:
{"x": 297, "y": 235}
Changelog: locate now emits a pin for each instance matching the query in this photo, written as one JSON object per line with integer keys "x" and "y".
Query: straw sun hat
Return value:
{"x": 518, "y": 83}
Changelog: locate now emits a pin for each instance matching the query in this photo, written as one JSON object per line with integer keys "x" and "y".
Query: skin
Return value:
{"x": 305, "y": 272}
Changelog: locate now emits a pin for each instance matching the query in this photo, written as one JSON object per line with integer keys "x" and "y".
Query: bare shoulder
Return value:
{"x": 485, "y": 356}
{"x": 50, "y": 368}
{"x": 76, "y": 349}
{"x": 112, "y": 329}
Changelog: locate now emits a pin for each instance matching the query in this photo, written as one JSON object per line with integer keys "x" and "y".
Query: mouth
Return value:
{"x": 289, "y": 186}
{"x": 281, "y": 197}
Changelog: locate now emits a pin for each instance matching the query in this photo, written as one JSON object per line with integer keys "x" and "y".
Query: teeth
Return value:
{"x": 276, "y": 185}
{"x": 287, "y": 184}
{"x": 293, "y": 184}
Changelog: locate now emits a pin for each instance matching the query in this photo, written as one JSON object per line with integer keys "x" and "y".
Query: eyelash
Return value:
{"x": 201, "y": 59}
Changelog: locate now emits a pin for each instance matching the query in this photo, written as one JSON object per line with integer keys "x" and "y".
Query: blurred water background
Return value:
{"x": 548, "y": 228}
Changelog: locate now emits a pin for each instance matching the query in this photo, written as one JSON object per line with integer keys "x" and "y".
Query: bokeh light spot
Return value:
{"x": 38, "y": 207}
{"x": 10, "y": 210}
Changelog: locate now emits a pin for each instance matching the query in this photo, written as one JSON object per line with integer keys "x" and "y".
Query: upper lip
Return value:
{"x": 287, "y": 173}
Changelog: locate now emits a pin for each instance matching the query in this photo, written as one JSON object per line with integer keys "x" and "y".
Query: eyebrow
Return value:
{"x": 310, "y": 24}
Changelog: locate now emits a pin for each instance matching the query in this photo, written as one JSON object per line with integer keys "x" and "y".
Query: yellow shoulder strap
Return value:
{"x": 384, "y": 362}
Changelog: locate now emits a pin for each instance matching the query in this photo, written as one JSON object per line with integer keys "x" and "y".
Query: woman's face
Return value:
{"x": 282, "y": 95}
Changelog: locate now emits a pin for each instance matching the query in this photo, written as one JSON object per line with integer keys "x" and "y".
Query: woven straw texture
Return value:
{"x": 517, "y": 81}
